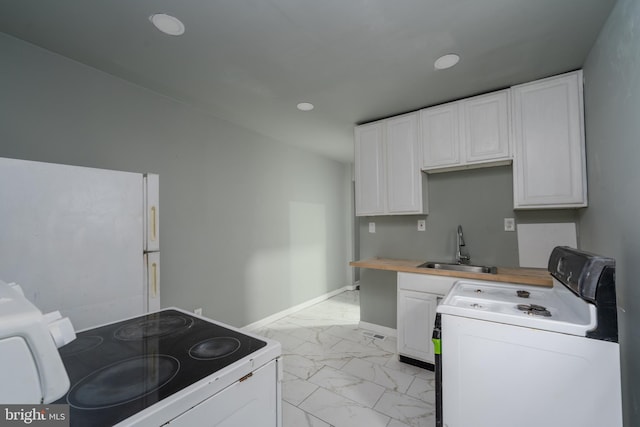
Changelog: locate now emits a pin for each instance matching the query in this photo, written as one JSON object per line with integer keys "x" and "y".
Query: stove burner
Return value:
{"x": 523, "y": 294}
{"x": 214, "y": 348}
{"x": 123, "y": 382}
{"x": 80, "y": 345}
{"x": 149, "y": 328}
{"x": 534, "y": 310}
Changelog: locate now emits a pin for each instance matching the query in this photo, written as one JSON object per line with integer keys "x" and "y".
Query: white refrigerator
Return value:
{"x": 80, "y": 240}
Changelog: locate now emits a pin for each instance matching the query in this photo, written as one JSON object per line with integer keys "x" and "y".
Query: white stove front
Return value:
{"x": 500, "y": 375}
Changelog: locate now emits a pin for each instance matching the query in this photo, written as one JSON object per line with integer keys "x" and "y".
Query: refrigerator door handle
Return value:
{"x": 154, "y": 279}
{"x": 154, "y": 232}
{"x": 151, "y": 213}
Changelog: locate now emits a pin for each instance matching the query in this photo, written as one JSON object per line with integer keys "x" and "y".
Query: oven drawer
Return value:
{"x": 252, "y": 401}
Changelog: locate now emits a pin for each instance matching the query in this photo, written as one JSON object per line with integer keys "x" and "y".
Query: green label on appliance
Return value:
{"x": 436, "y": 346}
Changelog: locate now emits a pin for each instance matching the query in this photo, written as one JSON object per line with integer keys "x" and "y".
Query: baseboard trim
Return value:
{"x": 390, "y": 332}
{"x": 284, "y": 313}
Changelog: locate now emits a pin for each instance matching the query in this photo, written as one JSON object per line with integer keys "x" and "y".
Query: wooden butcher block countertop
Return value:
{"x": 525, "y": 276}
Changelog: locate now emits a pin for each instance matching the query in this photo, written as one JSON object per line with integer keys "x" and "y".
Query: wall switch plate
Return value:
{"x": 372, "y": 227}
{"x": 509, "y": 224}
{"x": 198, "y": 311}
{"x": 422, "y": 224}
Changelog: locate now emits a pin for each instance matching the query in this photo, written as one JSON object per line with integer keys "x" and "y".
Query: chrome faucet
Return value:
{"x": 462, "y": 256}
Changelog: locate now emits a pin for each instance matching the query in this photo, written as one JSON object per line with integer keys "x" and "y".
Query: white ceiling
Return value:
{"x": 251, "y": 61}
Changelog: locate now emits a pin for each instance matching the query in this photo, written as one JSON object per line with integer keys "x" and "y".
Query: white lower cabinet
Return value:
{"x": 416, "y": 314}
{"x": 418, "y": 298}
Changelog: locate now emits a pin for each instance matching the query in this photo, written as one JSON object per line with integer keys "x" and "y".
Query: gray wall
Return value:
{"x": 250, "y": 226}
{"x": 479, "y": 200}
{"x": 610, "y": 225}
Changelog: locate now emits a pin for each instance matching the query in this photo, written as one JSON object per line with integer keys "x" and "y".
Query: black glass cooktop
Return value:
{"x": 120, "y": 369}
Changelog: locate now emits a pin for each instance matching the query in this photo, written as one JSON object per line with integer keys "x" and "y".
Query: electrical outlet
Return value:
{"x": 509, "y": 224}
{"x": 422, "y": 225}
{"x": 372, "y": 227}
{"x": 198, "y": 311}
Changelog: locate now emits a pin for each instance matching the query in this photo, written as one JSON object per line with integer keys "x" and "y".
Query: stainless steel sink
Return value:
{"x": 459, "y": 267}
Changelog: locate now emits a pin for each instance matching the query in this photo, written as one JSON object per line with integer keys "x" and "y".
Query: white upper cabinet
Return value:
{"x": 387, "y": 167}
{"x": 404, "y": 179}
{"x": 440, "y": 131}
{"x": 470, "y": 133}
{"x": 370, "y": 176}
{"x": 549, "y": 169}
{"x": 539, "y": 125}
{"x": 485, "y": 127}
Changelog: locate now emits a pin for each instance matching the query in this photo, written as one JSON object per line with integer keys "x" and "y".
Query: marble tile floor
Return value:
{"x": 336, "y": 376}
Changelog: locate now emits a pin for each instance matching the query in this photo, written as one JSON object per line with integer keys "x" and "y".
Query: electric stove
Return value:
{"x": 151, "y": 369}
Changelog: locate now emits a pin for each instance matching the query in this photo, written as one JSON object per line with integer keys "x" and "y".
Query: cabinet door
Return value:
{"x": 485, "y": 127}
{"x": 440, "y": 136}
{"x": 369, "y": 170}
{"x": 404, "y": 179}
{"x": 549, "y": 160}
{"x": 416, "y": 316}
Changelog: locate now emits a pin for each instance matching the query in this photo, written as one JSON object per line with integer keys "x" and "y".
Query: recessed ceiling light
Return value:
{"x": 305, "y": 106}
{"x": 167, "y": 24}
{"x": 446, "y": 61}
